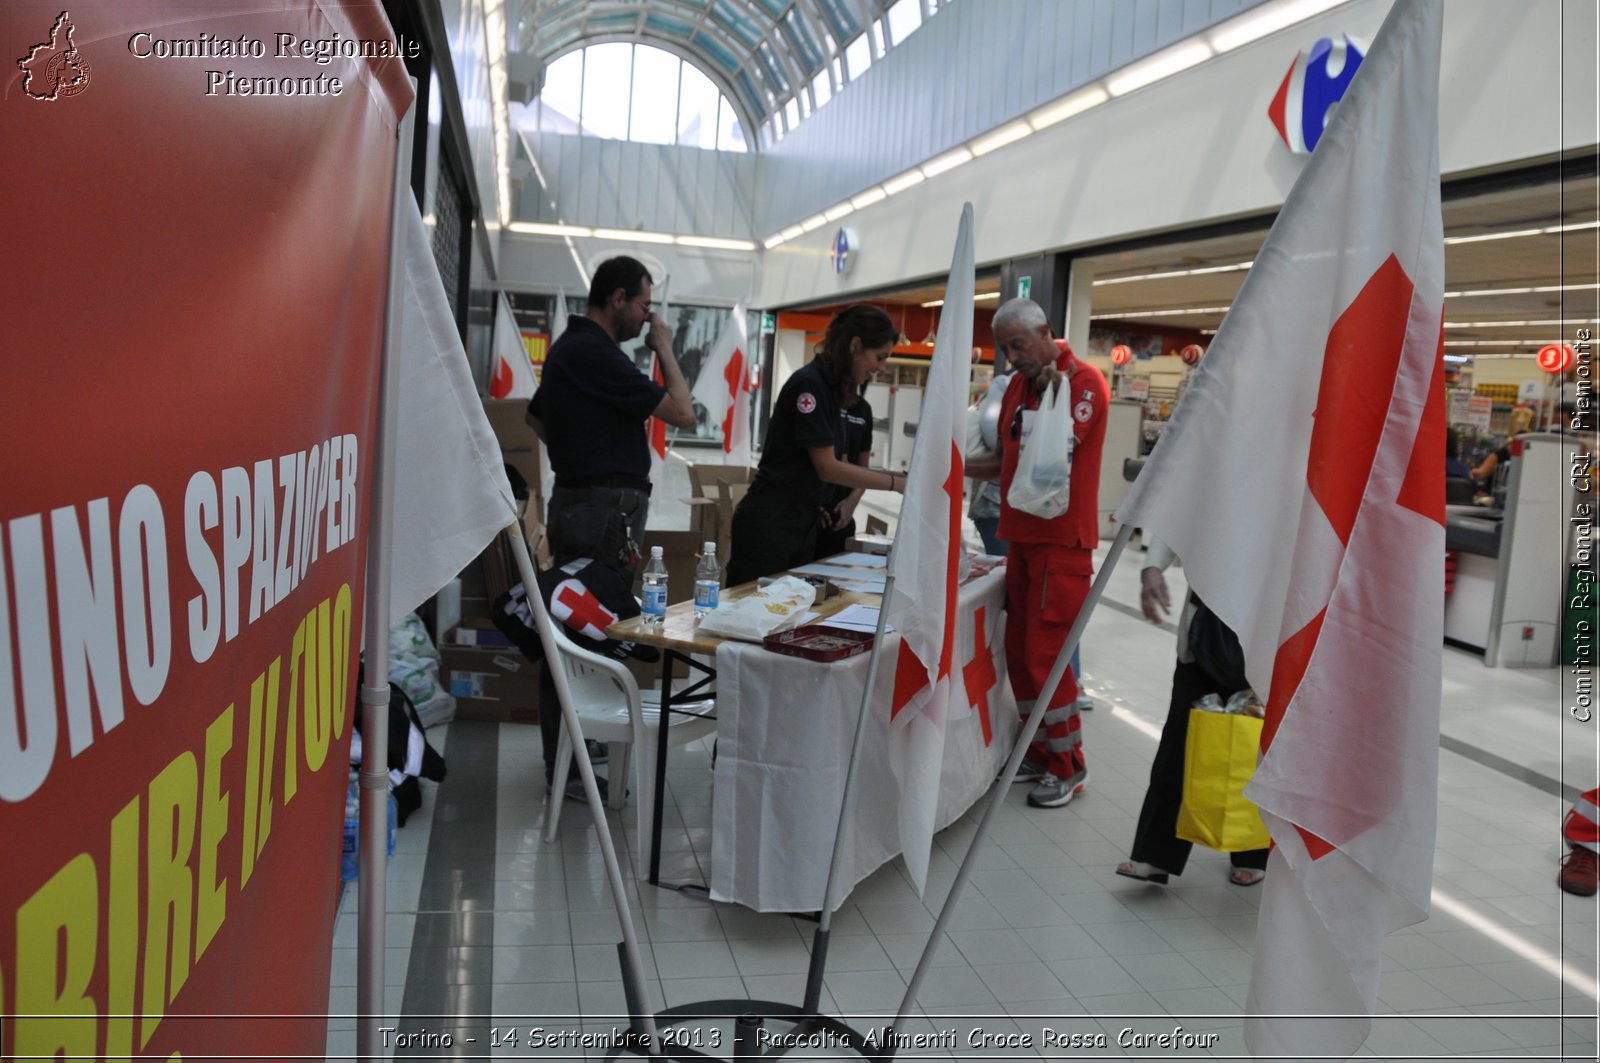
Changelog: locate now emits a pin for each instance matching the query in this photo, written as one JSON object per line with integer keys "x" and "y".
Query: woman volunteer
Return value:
{"x": 807, "y": 446}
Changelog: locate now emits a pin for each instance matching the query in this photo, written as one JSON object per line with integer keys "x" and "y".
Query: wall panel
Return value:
{"x": 992, "y": 61}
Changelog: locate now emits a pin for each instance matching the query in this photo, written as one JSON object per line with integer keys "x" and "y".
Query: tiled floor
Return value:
{"x": 490, "y": 929}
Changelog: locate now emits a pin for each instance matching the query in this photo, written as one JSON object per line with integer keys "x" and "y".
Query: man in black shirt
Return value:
{"x": 591, "y": 411}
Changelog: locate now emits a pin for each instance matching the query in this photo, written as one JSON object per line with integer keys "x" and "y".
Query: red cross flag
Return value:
{"x": 1301, "y": 483}
{"x": 723, "y": 387}
{"x": 656, "y": 428}
{"x": 513, "y": 372}
{"x": 451, "y": 496}
{"x": 923, "y": 560}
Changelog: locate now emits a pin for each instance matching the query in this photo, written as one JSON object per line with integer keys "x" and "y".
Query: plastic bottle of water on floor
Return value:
{"x": 707, "y": 581}
{"x": 655, "y": 590}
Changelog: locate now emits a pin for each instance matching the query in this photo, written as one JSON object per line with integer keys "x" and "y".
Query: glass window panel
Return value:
{"x": 904, "y": 18}
{"x": 878, "y": 47}
{"x": 730, "y": 131}
{"x": 858, "y": 56}
{"x": 562, "y": 96}
{"x": 821, "y": 89}
{"x": 606, "y": 71}
{"x": 697, "y": 110}
{"x": 655, "y": 96}
{"x": 791, "y": 112}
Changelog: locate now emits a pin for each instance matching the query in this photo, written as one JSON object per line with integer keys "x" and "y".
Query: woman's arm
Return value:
{"x": 831, "y": 470}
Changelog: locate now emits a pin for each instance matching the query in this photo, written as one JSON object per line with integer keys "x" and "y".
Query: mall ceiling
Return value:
{"x": 1517, "y": 263}
{"x": 763, "y": 52}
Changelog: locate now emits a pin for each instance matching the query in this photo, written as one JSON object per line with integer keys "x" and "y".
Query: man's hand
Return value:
{"x": 844, "y": 512}
{"x": 1153, "y": 594}
{"x": 658, "y": 334}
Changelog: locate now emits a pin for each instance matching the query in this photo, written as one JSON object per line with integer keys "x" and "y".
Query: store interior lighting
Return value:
{"x": 1265, "y": 19}
{"x": 1163, "y": 64}
{"x": 1233, "y": 267}
{"x": 1067, "y": 106}
{"x": 1006, "y": 134}
{"x": 1512, "y": 234}
{"x": 946, "y": 162}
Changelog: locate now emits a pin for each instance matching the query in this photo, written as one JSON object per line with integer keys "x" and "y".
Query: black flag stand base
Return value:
{"x": 694, "y": 1032}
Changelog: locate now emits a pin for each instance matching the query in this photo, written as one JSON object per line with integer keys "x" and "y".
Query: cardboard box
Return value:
{"x": 717, "y": 490}
{"x": 520, "y": 446}
{"x": 490, "y": 678}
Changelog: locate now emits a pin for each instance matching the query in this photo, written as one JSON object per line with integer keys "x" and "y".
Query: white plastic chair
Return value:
{"x": 610, "y": 709}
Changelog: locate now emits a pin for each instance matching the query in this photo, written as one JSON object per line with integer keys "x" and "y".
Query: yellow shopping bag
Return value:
{"x": 1218, "y": 761}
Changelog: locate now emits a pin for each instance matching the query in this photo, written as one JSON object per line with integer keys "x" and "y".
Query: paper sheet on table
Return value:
{"x": 870, "y": 585}
{"x": 859, "y": 560}
{"x": 857, "y": 617}
{"x": 820, "y": 568}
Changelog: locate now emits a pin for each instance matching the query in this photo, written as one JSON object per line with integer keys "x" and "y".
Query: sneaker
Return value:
{"x": 599, "y": 752}
{"x": 1085, "y": 703}
{"x": 1580, "y": 871}
{"x": 576, "y": 793}
{"x": 1052, "y": 792}
{"x": 1031, "y": 770}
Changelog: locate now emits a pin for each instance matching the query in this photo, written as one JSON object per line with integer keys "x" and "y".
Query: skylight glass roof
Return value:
{"x": 762, "y": 53}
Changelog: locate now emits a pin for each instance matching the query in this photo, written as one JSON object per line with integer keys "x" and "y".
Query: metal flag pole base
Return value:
{"x": 686, "y": 1033}
{"x": 1001, "y": 788}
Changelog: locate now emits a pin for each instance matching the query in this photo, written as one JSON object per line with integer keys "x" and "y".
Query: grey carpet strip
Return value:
{"x": 1537, "y": 780}
{"x": 450, "y": 975}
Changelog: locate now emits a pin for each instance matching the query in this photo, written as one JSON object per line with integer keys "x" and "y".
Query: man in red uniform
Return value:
{"x": 1051, "y": 561}
{"x": 1580, "y": 871}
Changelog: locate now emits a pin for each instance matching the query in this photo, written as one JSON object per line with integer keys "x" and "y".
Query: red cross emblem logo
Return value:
{"x": 979, "y": 675}
{"x": 806, "y": 402}
{"x": 575, "y": 606}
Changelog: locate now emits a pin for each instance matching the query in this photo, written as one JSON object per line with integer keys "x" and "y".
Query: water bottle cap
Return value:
{"x": 655, "y": 551}
{"x": 709, "y": 548}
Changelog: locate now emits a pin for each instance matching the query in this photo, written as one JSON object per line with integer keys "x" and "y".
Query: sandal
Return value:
{"x": 1142, "y": 872}
{"x": 1246, "y": 876}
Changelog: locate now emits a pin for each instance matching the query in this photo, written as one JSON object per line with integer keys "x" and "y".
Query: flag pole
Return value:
{"x": 643, "y": 1017}
{"x": 1029, "y": 728}
{"x": 831, "y": 899}
{"x": 372, "y": 883}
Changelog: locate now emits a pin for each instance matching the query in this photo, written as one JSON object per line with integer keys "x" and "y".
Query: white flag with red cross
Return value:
{"x": 723, "y": 387}
{"x": 513, "y": 372}
{"x": 1302, "y": 483}
{"x": 923, "y": 560}
{"x": 451, "y": 496}
{"x": 656, "y": 428}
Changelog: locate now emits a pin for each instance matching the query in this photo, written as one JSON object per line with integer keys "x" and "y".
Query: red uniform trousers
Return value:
{"x": 1046, "y": 585}
{"x": 1582, "y": 825}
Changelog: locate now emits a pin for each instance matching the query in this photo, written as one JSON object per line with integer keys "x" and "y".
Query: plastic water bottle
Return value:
{"x": 655, "y": 590}
{"x": 707, "y": 581}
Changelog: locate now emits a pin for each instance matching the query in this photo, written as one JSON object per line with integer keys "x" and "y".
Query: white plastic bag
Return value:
{"x": 776, "y": 607}
{"x": 1042, "y": 484}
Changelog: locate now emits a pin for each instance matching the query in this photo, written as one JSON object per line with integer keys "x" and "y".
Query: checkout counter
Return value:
{"x": 1511, "y": 558}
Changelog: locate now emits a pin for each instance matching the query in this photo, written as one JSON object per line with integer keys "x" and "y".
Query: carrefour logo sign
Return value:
{"x": 1315, "y": 82}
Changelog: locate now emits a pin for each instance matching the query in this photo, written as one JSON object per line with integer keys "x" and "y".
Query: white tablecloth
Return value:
{"x": 784, "y": 731}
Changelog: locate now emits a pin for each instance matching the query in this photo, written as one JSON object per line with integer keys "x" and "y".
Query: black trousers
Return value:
{"x": 604, "y": 523}
{"x": 1154, "y": 840}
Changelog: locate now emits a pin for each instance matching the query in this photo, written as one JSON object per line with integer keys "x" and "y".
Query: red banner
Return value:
{"x": 197, "y": 217}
